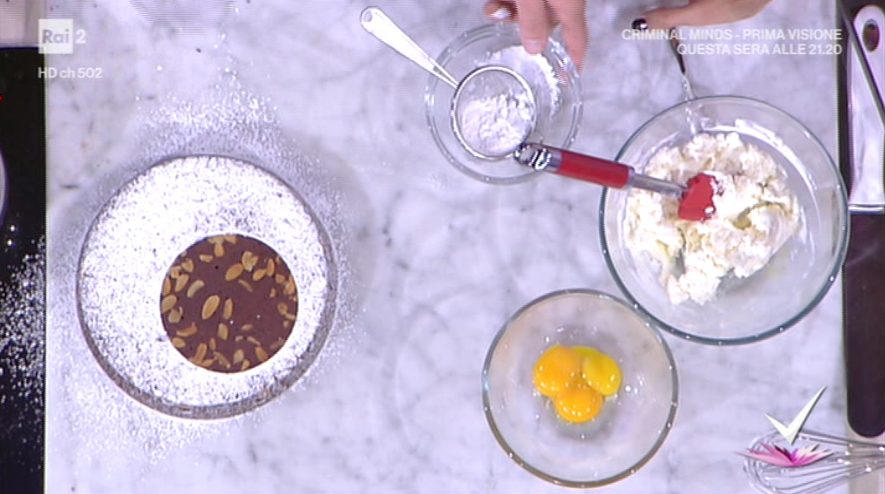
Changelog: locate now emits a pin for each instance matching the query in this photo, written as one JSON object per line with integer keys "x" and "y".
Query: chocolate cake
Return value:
{"x": 228, "y": 303}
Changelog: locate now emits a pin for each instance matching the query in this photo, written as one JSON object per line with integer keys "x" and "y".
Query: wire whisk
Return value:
{"x": 848, "y": 459}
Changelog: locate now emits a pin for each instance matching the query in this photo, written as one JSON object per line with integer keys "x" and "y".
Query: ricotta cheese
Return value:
{"x": 756, "y": 213}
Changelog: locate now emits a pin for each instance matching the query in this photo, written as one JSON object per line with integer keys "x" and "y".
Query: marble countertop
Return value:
{"x": 437, "y": 261}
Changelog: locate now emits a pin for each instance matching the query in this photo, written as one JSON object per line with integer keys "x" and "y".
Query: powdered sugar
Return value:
{"x": 494, "y": 118}
{"x": 22, "y": 350}
{"x": 535, "y": 69}
{"x": 496, "y": 125}
{"x": 136, "y": 237}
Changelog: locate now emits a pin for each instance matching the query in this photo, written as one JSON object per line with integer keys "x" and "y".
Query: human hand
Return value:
{"x": 700, "y": 13}
{"x": 537, "y": 18}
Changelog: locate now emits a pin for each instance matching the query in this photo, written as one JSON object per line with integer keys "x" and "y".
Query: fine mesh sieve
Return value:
{"x": 493, "y": 112}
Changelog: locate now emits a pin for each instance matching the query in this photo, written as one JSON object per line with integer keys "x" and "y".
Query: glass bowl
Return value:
{"x": 633, "y": 423}
{"x": 794, "y": 280}
{"x": 557, "y": 93}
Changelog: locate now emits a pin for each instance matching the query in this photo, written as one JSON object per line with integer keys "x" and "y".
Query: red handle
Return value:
{"x": 596, "y": 170}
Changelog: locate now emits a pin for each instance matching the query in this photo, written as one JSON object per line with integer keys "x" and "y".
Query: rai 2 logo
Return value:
{"x": 58, "y": 36}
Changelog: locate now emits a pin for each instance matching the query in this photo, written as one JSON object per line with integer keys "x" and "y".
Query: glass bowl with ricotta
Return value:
{"x": 768, "y": 254}
{"x": 555, "y": 86}
{"x": 625, "y": 430}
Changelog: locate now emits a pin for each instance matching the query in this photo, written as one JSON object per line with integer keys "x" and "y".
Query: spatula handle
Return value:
{"x": 573, "y": 165}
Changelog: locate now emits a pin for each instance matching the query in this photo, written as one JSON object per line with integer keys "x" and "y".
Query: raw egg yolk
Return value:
{"x": 558, "y": 370}
{"x": 599, "y": 371}
{"x": 578, "y": 404}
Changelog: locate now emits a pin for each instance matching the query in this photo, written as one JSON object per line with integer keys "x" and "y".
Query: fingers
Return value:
{"x": 697, "y": 13}
{"x": 535, "y": 24}
{"x": 572, "y": 16}
{"x": 704, "y": 13}
{"x": 535, "y": 28}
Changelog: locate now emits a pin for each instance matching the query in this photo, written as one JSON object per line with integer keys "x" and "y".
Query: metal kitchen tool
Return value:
{"x": 507, "y": 94}
{"x": 847, "y": 460}
{"x": 677, "y": 52}
{"x": 862, "y": 154}
{"x": 687, "y": 90}
{"x": 695, "y": 198}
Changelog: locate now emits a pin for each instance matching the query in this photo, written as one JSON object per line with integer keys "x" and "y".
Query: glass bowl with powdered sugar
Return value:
{"x": 771, "y": 250}
{"x": 555, "y": 86}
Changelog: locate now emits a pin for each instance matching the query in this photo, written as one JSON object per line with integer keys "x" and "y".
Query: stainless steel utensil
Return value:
{"x": 687, "y": 90}
{"x": 695, "y": 198}
{"x": 378, "y": 24}
{"x": 675, "y": 45}
{"x": 505, "y": 91}
{"x": 862, "y": 153}
{"x": 849, "y": 459}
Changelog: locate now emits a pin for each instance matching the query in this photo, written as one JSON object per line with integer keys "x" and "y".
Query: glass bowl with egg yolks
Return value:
{"x": 632, "y": 423}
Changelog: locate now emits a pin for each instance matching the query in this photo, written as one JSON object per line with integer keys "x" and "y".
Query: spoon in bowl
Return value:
{"x": 695, "y": 197}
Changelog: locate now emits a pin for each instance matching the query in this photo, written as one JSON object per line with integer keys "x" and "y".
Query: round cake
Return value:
{"x": 228, "y": 303}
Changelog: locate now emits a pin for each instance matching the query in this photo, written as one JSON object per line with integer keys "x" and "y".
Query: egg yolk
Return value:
{"x": 578, "y": 404}
{"x": 577, "y": 379}
{"x": 558, "y": 369}
{"x": 599, "y": 371}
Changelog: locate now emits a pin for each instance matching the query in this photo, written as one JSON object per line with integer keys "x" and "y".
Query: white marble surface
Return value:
{"x": 439, "y": 260}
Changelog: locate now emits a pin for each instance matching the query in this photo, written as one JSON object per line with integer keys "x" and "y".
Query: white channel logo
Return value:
{"x": 58, "y": 37}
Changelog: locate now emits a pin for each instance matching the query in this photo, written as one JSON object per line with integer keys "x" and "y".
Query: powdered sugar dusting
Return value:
{"x": 495, "y": 113}
{"x": 87, "y": 412}
{"x": 535, "y": 69}
{"x": 22, "y": 351}
{"x": 227, "y": 120}
{"x": 139, "y": 234}
{"x": 496, "y": 125}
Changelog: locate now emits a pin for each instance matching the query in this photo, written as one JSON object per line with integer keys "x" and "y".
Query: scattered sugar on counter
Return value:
{"x": 756, "y": 214}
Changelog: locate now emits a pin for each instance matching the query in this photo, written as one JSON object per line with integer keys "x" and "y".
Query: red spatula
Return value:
{"x": 695, "y": 197}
